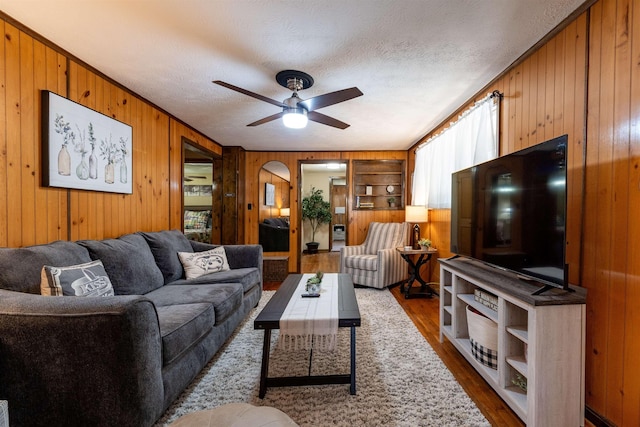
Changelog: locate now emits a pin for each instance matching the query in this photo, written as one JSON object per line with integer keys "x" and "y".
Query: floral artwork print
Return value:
{"x": 84, "y": 149}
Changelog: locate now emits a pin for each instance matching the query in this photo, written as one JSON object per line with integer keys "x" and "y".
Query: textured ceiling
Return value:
{"x": 416, "y": 61}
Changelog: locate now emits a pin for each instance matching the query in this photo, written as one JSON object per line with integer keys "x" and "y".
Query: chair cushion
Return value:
{"x": 226, "y": 298}
{"x": 383, "y": 235}
{"x": 236, "y": 415}
{"x": 165, "y": 246}
{"x": 181, "y": 326}
{"x": 362, "y": 262}
{"x": 129, "y": 263}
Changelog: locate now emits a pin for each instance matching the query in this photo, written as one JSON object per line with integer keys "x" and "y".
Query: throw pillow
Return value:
{"x": 197, "y": 264}
{"x": 196, "y": 220}
{"x": 83, "y": 280}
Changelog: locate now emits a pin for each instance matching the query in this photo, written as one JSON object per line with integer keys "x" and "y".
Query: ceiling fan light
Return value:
{"x": 295, "y": 118}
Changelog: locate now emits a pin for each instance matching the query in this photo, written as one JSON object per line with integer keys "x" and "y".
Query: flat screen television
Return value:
{"x": 510, "y": 213}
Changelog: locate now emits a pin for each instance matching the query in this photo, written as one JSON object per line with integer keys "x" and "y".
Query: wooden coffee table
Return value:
{"x": 269, "y": 319}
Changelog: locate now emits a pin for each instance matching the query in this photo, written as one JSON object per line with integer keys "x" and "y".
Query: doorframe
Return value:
{"x": 300, "y": 177}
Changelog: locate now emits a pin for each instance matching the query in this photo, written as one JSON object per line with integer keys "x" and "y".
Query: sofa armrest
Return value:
{"x": 80, "y": 361}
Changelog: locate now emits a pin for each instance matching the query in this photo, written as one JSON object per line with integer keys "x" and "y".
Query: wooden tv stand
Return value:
{"x": 552, "y": 325}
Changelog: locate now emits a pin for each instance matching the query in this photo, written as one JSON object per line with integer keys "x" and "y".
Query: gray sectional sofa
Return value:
{"x": 117, "y": 360}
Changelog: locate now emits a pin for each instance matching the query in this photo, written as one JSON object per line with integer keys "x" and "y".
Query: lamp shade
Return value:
{"x": 416, "y": 214}
{"x": 285, "y": 212}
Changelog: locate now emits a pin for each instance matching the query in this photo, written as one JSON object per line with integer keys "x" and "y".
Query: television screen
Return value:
{"x": 510, "y": 212}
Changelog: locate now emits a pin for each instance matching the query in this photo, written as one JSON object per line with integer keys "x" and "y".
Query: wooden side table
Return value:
{"x": 414, "y": 272}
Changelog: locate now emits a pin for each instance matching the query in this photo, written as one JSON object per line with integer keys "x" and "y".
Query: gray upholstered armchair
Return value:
{"x": 376, "y": 263}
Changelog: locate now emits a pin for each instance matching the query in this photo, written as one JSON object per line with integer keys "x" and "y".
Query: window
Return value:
{"x": 471, "y": 140}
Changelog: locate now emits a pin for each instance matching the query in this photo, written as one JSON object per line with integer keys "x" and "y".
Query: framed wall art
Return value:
{"x": 269, "y": 194}
{"x": 84, "y": 149}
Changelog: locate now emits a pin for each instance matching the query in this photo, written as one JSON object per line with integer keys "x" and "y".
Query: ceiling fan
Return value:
{"x": 296, "y": 111}
{"x": 189, "y": 178}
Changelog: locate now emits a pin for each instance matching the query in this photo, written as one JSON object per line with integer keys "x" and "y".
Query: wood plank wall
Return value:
{"x": 590, "y": 66}
{"x": 545, "y": 95}
{"x": 32, "y": 214}
{"x": 358, "y": 220}
{"x": 611, "y": 264}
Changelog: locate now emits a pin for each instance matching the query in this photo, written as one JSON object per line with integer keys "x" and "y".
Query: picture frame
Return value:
{"x": 269, "y": 194}
{"x": 83, "y": 149}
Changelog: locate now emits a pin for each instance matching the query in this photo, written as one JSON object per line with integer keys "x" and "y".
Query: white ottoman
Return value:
{"x": 236, "y": 415}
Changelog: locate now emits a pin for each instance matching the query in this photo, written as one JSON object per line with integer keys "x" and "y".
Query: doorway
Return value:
{"x": 200, "y": 194}
{"x": 330, "y": 176}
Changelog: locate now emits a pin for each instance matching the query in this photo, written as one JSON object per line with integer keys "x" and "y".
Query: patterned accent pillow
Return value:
{"x": 83, "y": 280}
{"x": 196, "y": 219}
{"x": 197, "y": 264}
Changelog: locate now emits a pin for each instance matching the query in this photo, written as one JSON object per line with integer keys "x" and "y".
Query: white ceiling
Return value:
{"x": 416, "y": 61}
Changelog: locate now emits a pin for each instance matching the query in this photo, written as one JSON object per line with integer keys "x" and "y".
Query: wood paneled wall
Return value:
{"x": 32, "y": 214}
{"x": 358, "y": 220}
{"x": 543, "y": 97}
{"x": 611, "y": 262}
{"x": 585, "y": 82}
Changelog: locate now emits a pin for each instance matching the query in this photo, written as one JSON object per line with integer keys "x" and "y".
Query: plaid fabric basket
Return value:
{"x": 483, "y": 334}
{"x": 486, "y": 356}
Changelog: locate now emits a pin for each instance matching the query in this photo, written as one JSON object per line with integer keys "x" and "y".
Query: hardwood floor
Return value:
{"x": 425, "y": 315}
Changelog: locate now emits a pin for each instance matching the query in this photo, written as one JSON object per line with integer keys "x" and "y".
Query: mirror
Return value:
{"x": 274, "y": 182}
{"x": 199, "y": 191}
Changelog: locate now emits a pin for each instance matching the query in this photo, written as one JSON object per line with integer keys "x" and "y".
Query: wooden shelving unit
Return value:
{"x": 375, "y": 181}
{"x": 541, "y": 339}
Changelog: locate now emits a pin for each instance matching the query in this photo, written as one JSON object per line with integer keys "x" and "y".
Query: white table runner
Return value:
{"x": 311, "y": 322}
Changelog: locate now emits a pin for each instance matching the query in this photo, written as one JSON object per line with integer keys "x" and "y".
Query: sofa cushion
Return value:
{"x": 129, "y": 263}
{"x": 82, "y": 280}
{"x": 248, "y": 277}
{"x": 182, "y": 326}
{"x": 20, "y": 268}
{"x": 196, "y": 264}
{"x": 165, "y": 246}
{"x": 225, "y": 297}
{"x": 362, "y": 262}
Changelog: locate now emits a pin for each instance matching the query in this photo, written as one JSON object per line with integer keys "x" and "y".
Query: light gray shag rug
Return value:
{"x": 400, "y": 380}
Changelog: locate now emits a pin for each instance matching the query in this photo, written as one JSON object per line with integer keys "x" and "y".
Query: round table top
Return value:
{"x": 422, "y": 250}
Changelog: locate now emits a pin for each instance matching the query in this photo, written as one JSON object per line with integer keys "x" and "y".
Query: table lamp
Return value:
{"x": 285, "y": 212}
{"x": 416, "y": 214}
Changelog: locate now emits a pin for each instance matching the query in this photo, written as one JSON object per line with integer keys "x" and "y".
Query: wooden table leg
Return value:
{"x": 264, "y": 370}
{"x": 353, "y": 360}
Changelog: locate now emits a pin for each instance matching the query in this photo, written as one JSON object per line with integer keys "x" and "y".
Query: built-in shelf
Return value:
{"x": 376, "y": 181}
{"x": 541, "y": 340}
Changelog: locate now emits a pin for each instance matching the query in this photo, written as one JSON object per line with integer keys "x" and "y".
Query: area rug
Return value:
{"x": 399, "y": 378}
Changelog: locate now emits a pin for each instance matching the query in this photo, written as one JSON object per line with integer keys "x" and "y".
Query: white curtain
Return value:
{"x": 471, "y": 140}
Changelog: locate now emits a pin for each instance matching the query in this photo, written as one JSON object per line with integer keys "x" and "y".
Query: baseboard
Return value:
{"x": 596, "y": 419}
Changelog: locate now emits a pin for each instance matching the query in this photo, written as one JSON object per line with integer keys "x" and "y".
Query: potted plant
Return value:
{"x": 424, "y": 243}
{"x": 392, "y": 202}
{"x": 317, "y": 211}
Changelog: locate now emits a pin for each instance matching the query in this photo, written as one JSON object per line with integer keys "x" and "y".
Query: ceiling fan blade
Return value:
{"x": 249, "y": 93}
{"x": 326, "y": 120}
{"x": 267, "y": 119}
{"x": 330, "y": 98}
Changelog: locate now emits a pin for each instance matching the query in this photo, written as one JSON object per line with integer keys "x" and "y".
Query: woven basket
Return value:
{"x": 483, "y": 334}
